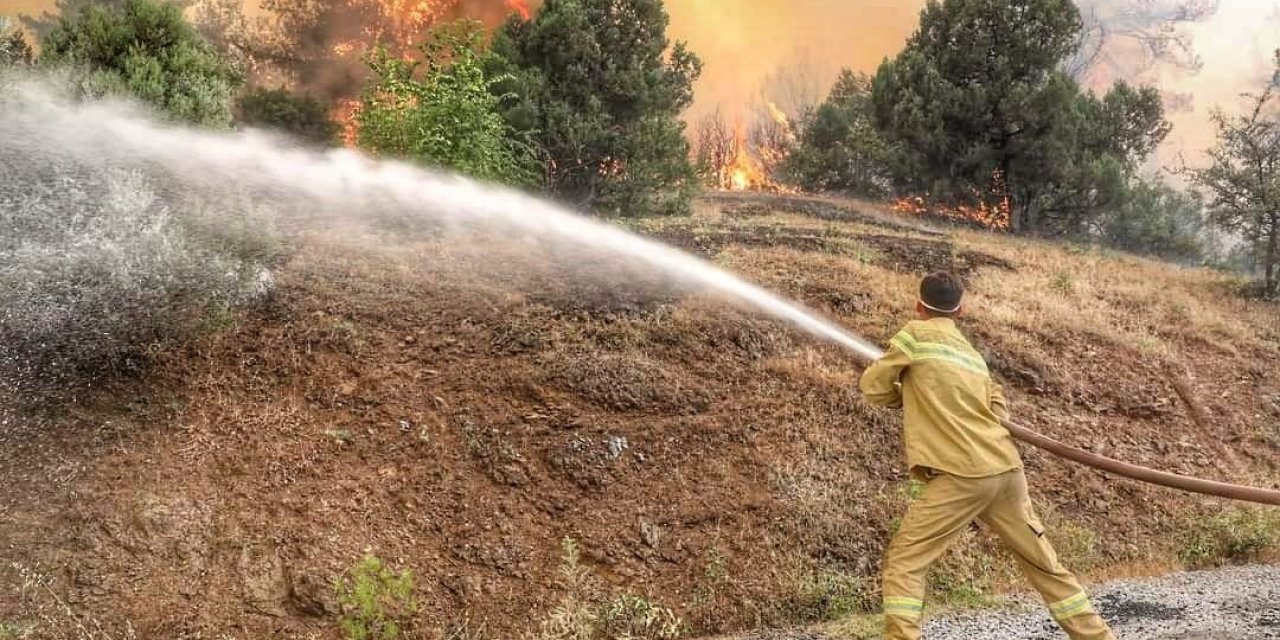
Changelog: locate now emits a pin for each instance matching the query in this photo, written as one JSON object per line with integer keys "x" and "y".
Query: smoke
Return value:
{"x": 1127, "y": 39}
{"x": 1201, "y": 53}
{"x": 786, "y": 50}
{"x": 1235, "y": 48}
{"x": 318, "y": 46}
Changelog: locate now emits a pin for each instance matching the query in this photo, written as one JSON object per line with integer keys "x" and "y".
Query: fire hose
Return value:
{"x": 1143, "y": 474}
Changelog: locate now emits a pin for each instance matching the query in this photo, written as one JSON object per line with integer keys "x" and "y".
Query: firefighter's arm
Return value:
{"x": 881, "y": 382}
{"x": 998, "y": 404}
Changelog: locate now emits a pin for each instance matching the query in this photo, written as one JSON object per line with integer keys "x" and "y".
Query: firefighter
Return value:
{"x": 956, "y": 445}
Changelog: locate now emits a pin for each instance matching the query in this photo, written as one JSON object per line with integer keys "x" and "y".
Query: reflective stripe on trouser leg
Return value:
{"x": 1073, "y": 606}
{"x": 943, "y": 511}
{"x": 1013, "y": 519}
{"x": 909, "y": 608}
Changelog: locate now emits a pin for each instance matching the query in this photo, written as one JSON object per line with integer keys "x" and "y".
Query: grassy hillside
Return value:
{"x": 549, "y": 451}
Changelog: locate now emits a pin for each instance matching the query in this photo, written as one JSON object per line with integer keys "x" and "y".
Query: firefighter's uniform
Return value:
{"x": 957, "y": 446}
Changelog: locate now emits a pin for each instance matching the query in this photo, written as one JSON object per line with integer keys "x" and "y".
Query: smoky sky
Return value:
{"x": 788, "y": 50}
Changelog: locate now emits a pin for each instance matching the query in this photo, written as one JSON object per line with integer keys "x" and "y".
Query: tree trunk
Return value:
{"x": 1273, "y": 256}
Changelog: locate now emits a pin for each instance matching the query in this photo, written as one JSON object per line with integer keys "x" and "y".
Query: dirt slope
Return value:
{"x": 460, "y": 411}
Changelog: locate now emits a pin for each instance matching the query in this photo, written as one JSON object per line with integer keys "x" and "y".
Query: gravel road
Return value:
{"x": 1239, "y": 603}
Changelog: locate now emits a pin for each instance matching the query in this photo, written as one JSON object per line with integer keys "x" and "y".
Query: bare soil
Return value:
{"x": 458, "y": 410}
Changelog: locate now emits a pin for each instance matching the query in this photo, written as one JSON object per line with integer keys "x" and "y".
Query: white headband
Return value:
{"x": 946, "y": 311}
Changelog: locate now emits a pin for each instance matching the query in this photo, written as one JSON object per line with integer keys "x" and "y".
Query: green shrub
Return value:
{"x": 441, "y": 111}
{"x": 376, "y": 601}
{"x": 13, "y": 631}
{"x": 14, "y": 49}
{"x": 1063, "y": 283}
{"x": 832, "y": 595}
{"x": 1159, "y": 220}
{"x": 840, "y": 148}
{"x": 1237, "y": 535}
{"x": 145, "y": 49}
{"x": 101, "y": 267}
{"x": 299, "y": 115}
{"x": 631, "y": 616}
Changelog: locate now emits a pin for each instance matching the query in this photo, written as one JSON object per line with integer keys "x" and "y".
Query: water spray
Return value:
{"x": 342, "y": 186}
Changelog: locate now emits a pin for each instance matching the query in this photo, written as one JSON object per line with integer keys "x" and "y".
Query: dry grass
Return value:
{"x": 46, "y": 614}
{"x": 715, "y": 465}
{"x": 1154, "y": 307}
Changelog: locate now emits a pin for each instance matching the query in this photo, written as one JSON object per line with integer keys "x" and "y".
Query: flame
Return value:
{"x": 777, "y": 114}
{"x": 738, "y": 161}
{"x": 344, "y": 48}
{"x": 519, "y": 6}
{"x": 413, "y": 14}
{"x": 743, "y": 171}
{"x": 994, "y": 209}
{"x": 345, "y": 115}
{"x": 914, "y": 205}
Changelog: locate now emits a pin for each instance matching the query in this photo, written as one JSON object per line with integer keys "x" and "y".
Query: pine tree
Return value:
{"x": 598, "y": 88}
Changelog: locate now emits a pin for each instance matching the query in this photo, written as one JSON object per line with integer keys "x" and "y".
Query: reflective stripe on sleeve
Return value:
{"x": 936, "y": 351}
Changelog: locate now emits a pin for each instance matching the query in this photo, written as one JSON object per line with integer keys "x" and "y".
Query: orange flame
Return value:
{"x": 519, "y": 6}
{"x": 743, "y": 171}
{"x": 777, "y": 114}
{"x": 993, "y": 210}
{"x": 345, "y": 115}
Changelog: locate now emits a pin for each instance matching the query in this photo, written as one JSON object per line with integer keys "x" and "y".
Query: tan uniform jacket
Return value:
{"x": 952, "y": 408}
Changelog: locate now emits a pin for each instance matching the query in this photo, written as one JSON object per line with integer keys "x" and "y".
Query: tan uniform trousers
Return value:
{"x": 947, "y": 506}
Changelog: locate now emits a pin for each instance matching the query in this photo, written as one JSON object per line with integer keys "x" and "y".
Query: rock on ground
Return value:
{"x": 1238, "y": 603}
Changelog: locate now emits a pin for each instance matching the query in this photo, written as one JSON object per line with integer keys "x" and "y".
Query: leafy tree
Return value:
{"x": 977, "y": 107}
{"x": 1157, "y": 220}
{"x": 1130, "y": 123}
{"x": 441, "y": 110}
{"x": 599, "y": 91}
{"x": 145, "y": 48}
{"x": 298, "y": 114}
{"x": 1242, "y": 180}
{"x": 840, "y": 148}
{"x": 47, "y": 21}
{"x": 976, "y": 93}
{"x": 1098, "y": 147}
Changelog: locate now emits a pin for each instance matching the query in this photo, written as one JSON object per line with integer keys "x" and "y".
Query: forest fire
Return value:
{"x": 993, "y": 209}
{"x": 345, "y": 115}
{"x": 780, "y": 118}
{"x": 412, "y": 15}
{"x": 735, "y": 160}
{"x": 519, "y": 6}
{"x": 405, "y": 23}
{"x": 743, "y": 171}
{"x": 989, "y": 213}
